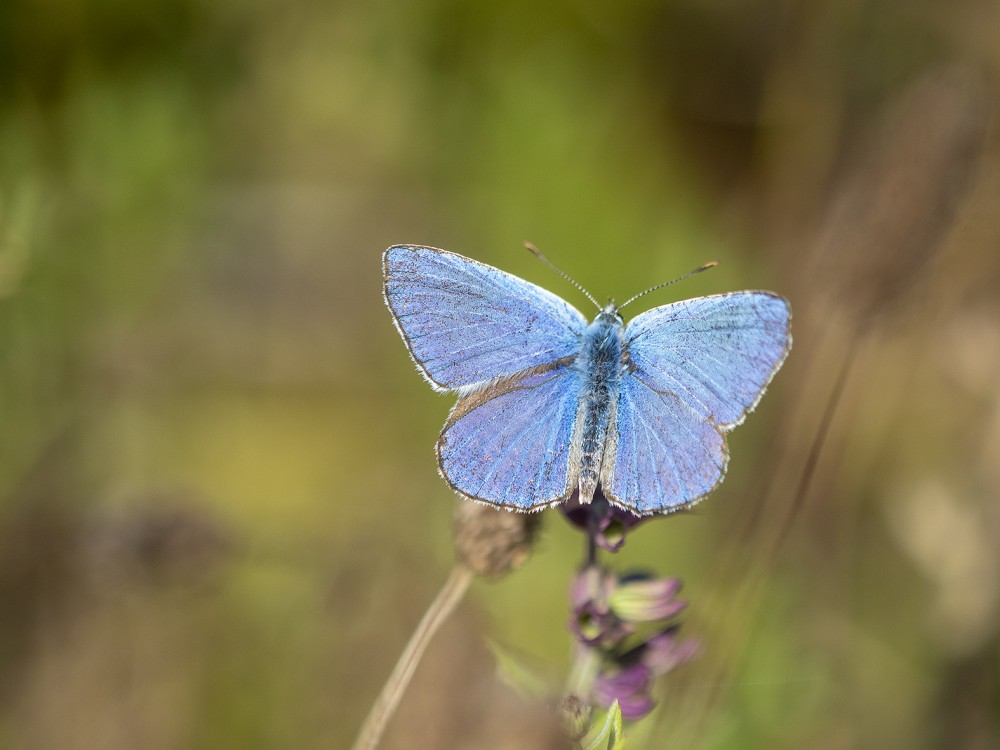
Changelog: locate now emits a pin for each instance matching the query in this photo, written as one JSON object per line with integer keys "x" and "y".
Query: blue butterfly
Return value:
{"x": 549, "y": 404}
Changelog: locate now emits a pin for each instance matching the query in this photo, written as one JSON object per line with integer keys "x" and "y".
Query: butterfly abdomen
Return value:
{"x": 600, "y": 369}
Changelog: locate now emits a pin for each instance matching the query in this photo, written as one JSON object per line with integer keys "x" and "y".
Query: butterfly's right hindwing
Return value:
{"x": 662, "y": 455}
{"x": 466, "y": 323}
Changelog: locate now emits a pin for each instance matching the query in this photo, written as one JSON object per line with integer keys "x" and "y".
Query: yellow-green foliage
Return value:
{"x": 219, "y": 513}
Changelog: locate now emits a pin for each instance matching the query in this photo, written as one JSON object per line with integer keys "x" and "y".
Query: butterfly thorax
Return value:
{"x": 600, "y": 366}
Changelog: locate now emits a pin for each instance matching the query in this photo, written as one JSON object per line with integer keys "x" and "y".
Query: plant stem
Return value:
{"x": 580, "y": 680}
{"x": 583, "y": 670}
{"x": 592, "y": 529}
{"x": 385, "y": 705}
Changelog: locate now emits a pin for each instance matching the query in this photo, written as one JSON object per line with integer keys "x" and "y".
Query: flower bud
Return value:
{"x": 642, "y": 598}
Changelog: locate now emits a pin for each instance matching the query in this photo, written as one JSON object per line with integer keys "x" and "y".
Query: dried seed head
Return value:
{"x": 491, "y": 542}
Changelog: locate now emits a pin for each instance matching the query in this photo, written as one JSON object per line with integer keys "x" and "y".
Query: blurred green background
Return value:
{"x": 220, "y": 518}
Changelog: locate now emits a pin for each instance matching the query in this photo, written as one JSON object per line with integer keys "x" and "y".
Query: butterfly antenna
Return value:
{"x": 699, "y": 269}
{"x": 538, "y": 254}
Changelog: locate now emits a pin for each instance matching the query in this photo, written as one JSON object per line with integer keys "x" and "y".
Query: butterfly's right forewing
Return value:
{"x": 466, "y": 323}
{"x": 695, "y": 369}
{"x": 717, "y": 353}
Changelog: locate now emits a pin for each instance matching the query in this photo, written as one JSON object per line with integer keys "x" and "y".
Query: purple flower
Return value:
{"x": 590, "y": 584}
{"x": 629, "y": 686}
{"x": 606, "y": 610}
{"x": 609, "y": 522}
{"x": 597, "y": 626}
{"x": 628, "y": 677}
{"x": 641, "y": 598}
{"x": 593, "y": 622}
{"x": 664, "y": 651}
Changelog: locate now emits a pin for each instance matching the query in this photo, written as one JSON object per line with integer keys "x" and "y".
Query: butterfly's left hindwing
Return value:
{"x": 511, "y": 444}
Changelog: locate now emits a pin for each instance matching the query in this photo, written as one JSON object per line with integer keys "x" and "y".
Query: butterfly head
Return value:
{"x": 609, "y": 314}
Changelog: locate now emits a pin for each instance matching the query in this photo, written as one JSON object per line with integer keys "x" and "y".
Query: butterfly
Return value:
{"x": 549, "y": 404}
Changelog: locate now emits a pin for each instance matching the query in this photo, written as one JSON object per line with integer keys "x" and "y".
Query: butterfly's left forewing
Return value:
{"x": 467, "y": 323}
{"x": 695, "y": 369}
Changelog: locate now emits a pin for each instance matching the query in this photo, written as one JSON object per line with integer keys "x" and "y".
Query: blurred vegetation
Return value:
{"x": 219, "y": 512}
